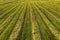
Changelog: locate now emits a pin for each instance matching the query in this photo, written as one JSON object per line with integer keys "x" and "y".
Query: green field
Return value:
{"x": 29, "y": 20}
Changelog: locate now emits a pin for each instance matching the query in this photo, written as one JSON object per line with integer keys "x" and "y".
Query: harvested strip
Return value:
{"x": 50, "y": 26}
{"x": 6, "y": 22}
{"x": 7, "y": 15}
{"x": 25, "y": 33}
{"x": 52, "y": 11}
{"x": 35, "y": 33}
{"x": 10, "y": 27}
{"x": 55, "y": 22}
{"x": 43, "y": 29}
{"x": 58, "y": 19}
{"x": 3, "y": 7}
{"x": 7, "y": 11}
{"x": 8, "y": 3}
{"x": 17, "y": 28}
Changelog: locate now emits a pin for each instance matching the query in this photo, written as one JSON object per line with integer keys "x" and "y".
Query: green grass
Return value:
{"x": 29, "y": 20}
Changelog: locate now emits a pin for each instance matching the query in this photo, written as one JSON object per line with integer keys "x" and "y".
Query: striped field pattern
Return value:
{"x": 29, "y": 20}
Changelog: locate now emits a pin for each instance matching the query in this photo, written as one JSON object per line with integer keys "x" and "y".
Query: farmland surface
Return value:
{"x": 29, "y": 20}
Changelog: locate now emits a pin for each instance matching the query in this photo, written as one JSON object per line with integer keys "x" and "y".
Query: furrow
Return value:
{"x": 58, "y": 19}
{"x": 8, "y": 20}
{"x": 51, "y": 18}
{"x": 17, "y": 28}
{"x": 10, "y": 27}
{"x": 6, "y": 15}
{"x": 52, "y": 11}
{"x": 43, "y": 29}
{"x": 50, "y": 26}
{"x": 35, "y": 33}
{"x": 8, "y": 9}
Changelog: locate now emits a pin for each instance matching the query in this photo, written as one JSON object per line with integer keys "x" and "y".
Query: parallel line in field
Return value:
{"x": 51, "y": 19}
{"x": 50, "y": 26}
{"x": 8, "y": 13}
{"x": 21, "y": 30}
{"x": 3, "y": 7}
{"x": 10, "y": 27}
{"x": 34, "y": 15}
{"x": 35, "y": 34}
{"x": 32, "y": 24}
{"x": 3, "y": 14}
{"x": 17, "y": 28}
{"x": 50, "y": 13}
{"x": 52, "y": 10}
{"x": 26, "y": 35}
{"x": 8, "y": 3}
{"x": 8, "y": 20}
{"x": 6, "y": 8}
{"x": 43, "y": 29}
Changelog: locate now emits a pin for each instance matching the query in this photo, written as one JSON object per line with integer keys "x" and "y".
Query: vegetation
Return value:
{"x": 29, "y": 20}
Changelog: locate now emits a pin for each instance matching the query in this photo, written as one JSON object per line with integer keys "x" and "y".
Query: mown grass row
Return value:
{"x": 52, "y": 10}
{"x": 10, "y": 25}
{"x": 51, "y": 17}
{"x": 44, "y": 27}
{"x": 8, "y": 19}
{"x": 51, "y": 20}
{"x": 55, "y": 5}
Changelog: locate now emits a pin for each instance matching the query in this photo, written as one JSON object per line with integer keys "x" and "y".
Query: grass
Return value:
{"x": 29, "y": 20}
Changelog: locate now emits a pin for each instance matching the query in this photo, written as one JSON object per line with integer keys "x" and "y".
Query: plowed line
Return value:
{"x": 50, "y": 26}
{"x": 7, "y": 21}
{"x": 17, "y": 28}
{"x": 35, "y": 34}
{"x": 50, "y": 14}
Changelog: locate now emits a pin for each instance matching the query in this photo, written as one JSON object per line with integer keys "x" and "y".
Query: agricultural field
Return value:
{"x": 29, "y": 19}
